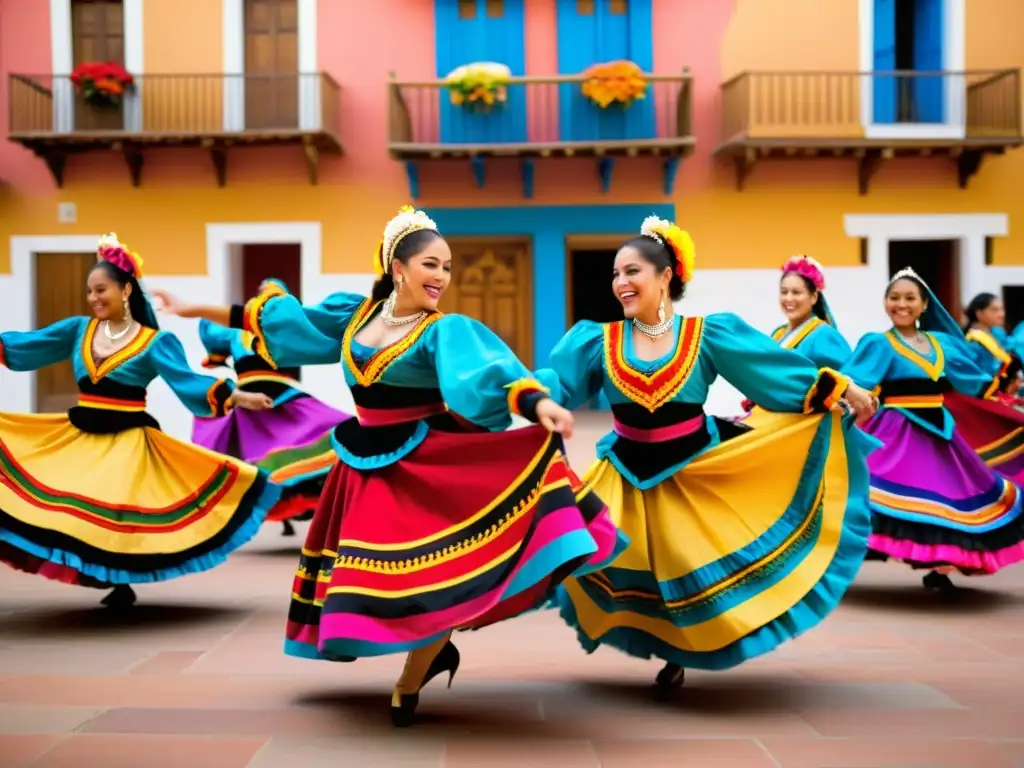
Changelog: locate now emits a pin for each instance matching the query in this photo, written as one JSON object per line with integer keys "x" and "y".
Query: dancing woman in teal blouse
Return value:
{"x": 738, "y": 542}
{"x": 811, "y": 329}
{"x": 433, "y": 518}
{"x": 101, "y": 497}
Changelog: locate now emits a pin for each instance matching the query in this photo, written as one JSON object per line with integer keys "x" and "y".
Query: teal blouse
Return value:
{"x": 816, "y": 340}
{"x": 149, "y": 355}
{"x": 887, "y": 357}
{"x": 478, "y": 377}
{"x": 593, "y": 357}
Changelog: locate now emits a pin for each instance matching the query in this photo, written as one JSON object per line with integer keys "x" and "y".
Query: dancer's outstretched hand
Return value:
{"x": 861, "y": 401}
{"x": 554, "y": 417}
{"x": 251, "y": 401}
{"x": 169, "y": 303}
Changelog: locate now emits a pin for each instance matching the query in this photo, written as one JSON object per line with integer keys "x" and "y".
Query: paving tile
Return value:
{"x": 150, "y": 751}
{"x": 518, "y": 752}
{"x": 166, "y": 663}
{"x": 683, "y": 753}
{"x": 885, "y": 753}
{"x": 20, "y": 750}
{"x": 914, "y": 725}
{"x": 19, "y": 718}
{"x": 408, "y": 749}
{"x": 223, "y": 722}
{"x": 136, "y": 691}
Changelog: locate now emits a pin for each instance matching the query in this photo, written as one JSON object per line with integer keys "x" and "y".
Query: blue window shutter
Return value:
{"x": 459, "y": 41}
{"x": 929, "y": 93}
{"x": 603, "y": 36}
{"x": 884, "y": 86}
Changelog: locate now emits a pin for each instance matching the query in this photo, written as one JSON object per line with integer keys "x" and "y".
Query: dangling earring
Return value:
{"x": 661, "y": 309}
{"x": 126, "y": 315}
{"x": 389, "y": 305}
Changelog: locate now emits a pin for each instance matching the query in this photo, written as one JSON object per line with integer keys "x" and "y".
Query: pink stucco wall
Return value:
{"x": 24, "y": 49}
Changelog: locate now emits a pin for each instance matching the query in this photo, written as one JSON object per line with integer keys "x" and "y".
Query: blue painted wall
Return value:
{"x": 594, "y": 38}
{"x": 548, "y": 226}
{"x": 885, "y": 87}
{"x": 461, "y": 41}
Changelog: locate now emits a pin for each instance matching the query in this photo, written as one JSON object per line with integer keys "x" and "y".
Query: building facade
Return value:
{"x": 275, "y": 137}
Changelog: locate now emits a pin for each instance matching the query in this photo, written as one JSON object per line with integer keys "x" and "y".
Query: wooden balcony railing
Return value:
{"x": 179, "y": 107}
{"x": 804, "y": 106}
{"x": 542, "y": 116}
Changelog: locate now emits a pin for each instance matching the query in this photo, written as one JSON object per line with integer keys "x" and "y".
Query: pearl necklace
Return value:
{"x": 389, "y": 319}
{"x": 654, "y": 331}
{"x": 120, "y": 334}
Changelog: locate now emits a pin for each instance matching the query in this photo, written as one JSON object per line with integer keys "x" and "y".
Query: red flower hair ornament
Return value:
{"x": 112, "y": 250}
{"x": 807, "y": 267}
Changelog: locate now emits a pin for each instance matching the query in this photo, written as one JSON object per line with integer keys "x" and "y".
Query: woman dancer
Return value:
{"x": 291, "y": 440}
{"x": 810, "y": 329}
{"x": 739, "y": 545}
{"x": 935, "y": 505}
{"x": 101, "y": 497}
{"x": 992, "y": 425}
{"x": 429, "y": 522}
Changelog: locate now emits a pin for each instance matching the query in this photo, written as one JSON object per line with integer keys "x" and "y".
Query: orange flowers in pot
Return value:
{"x": 614, "y": 82}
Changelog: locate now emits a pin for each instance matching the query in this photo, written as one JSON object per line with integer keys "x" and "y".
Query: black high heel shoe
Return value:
{"x": 940, "y": 582}
{"x": 671, "y": 677}
{"x": 289, "y": 529}
{"x": 121, "y": 596}
{"x": 403, "y": 705}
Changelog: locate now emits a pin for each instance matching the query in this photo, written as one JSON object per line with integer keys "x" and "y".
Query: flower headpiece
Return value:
{"x": 677, "y": 240}
{"x": 408, "y": 220}
{"x": 807, "y": 267}
{"x": 907, "y": 272}
{"x": 109, "y": 248}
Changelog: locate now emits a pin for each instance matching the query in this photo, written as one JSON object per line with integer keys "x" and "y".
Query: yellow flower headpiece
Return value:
{"x": 109, "y": 248}
{"x": 408, "y": 220}
{"x": 679, "y": 240}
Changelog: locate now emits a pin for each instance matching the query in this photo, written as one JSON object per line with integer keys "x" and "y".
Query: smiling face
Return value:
{"x": 904, "y": 304}
{"x": 637, "y": 284}
{"x": 796, "y": 298}
{"x": 105, "y": 296}
{"x": 994, "y": 315}
{"x": 425, "y": 276}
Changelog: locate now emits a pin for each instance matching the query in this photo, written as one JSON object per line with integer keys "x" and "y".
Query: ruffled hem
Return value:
{"x": 260, "y": 497}
{"x": 296, "y": 507}
{"x": 938, "y": 555}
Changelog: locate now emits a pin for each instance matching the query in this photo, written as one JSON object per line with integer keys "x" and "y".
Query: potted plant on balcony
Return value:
{"x": 614, "y": 83}
{"x": 480, "y": 86}
{"x": 102, "y": 84}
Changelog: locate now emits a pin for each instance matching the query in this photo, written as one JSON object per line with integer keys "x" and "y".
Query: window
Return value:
{"x": 585, "y": 7}
{"x": 495, "y": 9}
{"x": 467, "y": 9}
{"x": 618, "y": 7}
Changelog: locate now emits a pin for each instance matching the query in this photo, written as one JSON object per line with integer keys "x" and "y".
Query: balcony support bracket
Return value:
{"x": 56, "y": 161}
{"x": 134, "y": 159}
{"x": 526, "y": 172}
{"x": 412, "y": 173}
{"x": 219, "y": 158}
{"x": 671, "y": 168}
{"x": 868, "y": 163}
{"x": 479, "y": 168}
{"x": 312, "y": 159}
{"x": 967, "y": 165}
{"x": 744, "y": 165}
{"x": 605, "y": 168}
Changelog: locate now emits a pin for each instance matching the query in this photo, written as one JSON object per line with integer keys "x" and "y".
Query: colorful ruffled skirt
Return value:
{"x": 995, "y": 430}
{"x": 290, "y": 441}
{"x": 936, "y": 505}
{"x": 131, "y": 507}
{"x": 750, "y": 544}
{"x": 466, "y": 530}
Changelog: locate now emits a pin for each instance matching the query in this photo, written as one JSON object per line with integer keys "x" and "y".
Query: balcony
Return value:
{"x": 871, "y": 117}
{"x": 213, "y": 112}
{"x": 542, "y": 117}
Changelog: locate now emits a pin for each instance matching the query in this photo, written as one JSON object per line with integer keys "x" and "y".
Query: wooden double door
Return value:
{"x": 97, "y": 32}
{"x": 272, "y": 64}
{"x": 492, "y": 283}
